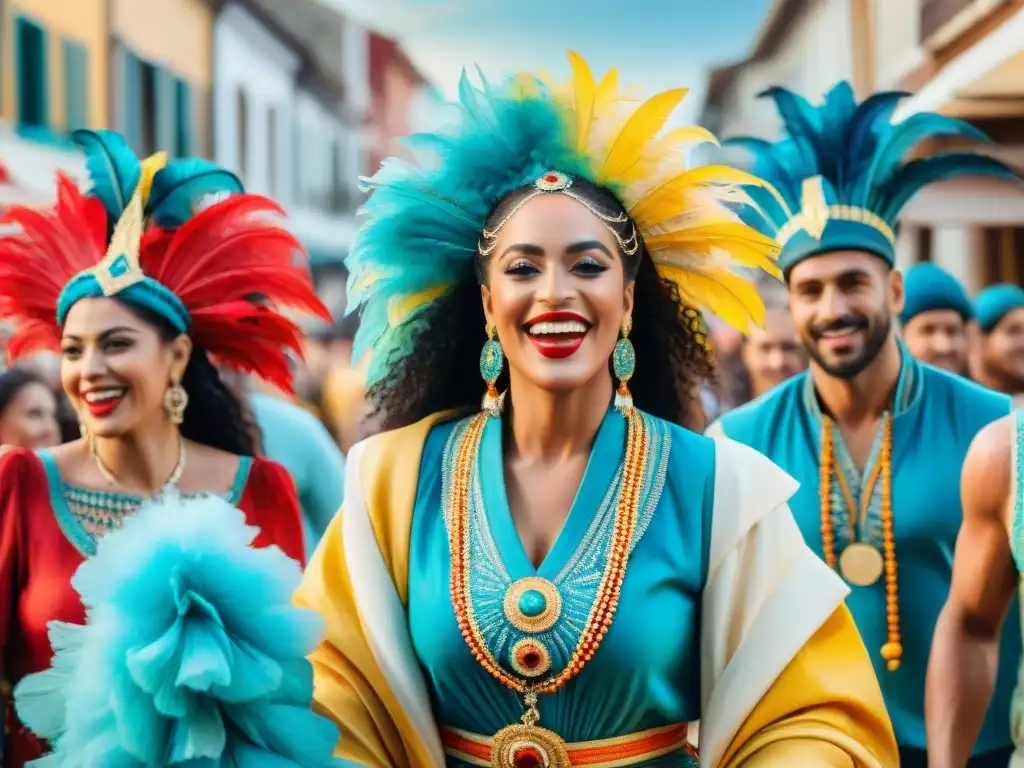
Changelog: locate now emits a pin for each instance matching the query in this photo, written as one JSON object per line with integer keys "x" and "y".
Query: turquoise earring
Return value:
{"x": 624, "y": 365}
{"x": 492, "y": 361}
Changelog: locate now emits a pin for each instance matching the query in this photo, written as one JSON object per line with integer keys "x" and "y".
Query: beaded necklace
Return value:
{"x": 860, "y": 563}
{"x": 526, "y": 740}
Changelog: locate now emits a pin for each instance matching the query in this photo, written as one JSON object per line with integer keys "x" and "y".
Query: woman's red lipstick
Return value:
{"x": 559, "y": 345}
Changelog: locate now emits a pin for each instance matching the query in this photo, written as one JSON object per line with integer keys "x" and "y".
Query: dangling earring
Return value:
{"x": 83, "y": 430}
{"x": 492, "y": 361}
{"x": 175, "y": 403}
{"x": 624, "y": 364}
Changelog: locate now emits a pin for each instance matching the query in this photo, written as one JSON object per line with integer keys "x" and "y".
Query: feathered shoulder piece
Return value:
{"x": 179, "y": 238}
{"x": 192, "y": 653}
{"x": 424, "y": 219}
{"x": 840, "y": 173}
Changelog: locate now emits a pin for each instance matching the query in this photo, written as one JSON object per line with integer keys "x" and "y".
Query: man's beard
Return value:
{"x": 849, "y": 368}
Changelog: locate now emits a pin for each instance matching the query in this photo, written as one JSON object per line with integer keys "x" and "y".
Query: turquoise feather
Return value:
{"x": 192, "y": 655}
{"x": 113, "y": 168}
{"x": 181, "y": 185}
{"x": 422, "y": 219}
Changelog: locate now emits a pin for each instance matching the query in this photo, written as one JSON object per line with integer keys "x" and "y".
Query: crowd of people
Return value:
{"x": 527, "y": 503}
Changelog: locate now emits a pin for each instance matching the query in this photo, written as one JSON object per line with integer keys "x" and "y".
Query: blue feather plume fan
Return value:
{"x": 841, "y": 175}
{"x": 192, "y": 654}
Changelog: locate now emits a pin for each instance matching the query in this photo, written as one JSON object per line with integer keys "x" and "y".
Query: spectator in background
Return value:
{"x": 997, "y": 349}
{"x": 296, "y": 439}
{"x": 28, "y": 411}
{"x": 935, "y": 317}
{"x": 767, "y": 357}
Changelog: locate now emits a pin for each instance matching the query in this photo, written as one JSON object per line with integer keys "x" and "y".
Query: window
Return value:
{"x": 242, "y": 124}
{"x": 76, "y": 86}
{"x": 147, "y": 106}
{"x": 272, "y": 150}
{"x": 1004, "y": 255}
{"x": 183, "y": 122}
{"x": 30, "y": 65}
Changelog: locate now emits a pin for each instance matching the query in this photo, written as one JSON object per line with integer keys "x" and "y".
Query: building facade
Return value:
{"x": 283, "y": 117}
{"x": 53, "y": 79}
{"x": 161, "y": 74}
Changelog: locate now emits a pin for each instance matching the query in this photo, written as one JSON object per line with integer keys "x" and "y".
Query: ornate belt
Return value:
{"x": 539, "y": 748}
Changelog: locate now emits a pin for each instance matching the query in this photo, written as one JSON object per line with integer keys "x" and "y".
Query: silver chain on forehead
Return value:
{"x": 559, "y": 183}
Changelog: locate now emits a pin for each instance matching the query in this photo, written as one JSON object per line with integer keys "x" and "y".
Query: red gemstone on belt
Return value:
{"x": 528, "y": 757}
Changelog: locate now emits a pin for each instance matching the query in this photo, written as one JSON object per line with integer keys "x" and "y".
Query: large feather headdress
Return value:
{"x": 178, "y": 238}
{"x": 840, "y": 173}
{"x": 424, "y": 218}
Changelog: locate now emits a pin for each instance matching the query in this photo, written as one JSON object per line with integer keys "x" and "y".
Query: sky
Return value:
{"x": 655, "y": 44}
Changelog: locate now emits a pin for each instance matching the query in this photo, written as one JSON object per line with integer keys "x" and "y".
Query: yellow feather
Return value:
{"x": 726, "y": 295}
{"x": 641, "y": 127}
{"x": 744, "y": 245}
{"x": 401, "y": 307}
{"x": 607, "y": 91}
{"x": 671, "y": 192}
{"x": 584, "y": 94}
{"x": 150, "y": 166}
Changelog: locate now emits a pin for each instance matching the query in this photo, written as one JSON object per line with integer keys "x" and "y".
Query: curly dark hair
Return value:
{"x": 216, "y": 415}
{"x": 442, "y": 369}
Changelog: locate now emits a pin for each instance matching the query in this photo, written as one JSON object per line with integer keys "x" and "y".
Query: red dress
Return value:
{"x": 42, "y": 544}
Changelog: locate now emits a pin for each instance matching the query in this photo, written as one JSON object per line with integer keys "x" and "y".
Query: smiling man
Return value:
{"x": 934, "y": 319}
{"x": 998, "y": 355}
{"x": 876, "y": 438}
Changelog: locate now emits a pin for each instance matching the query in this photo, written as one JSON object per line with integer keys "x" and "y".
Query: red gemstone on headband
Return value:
{"x": 528, "y": 757}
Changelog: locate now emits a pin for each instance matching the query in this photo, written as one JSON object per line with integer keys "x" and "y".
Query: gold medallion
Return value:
{"x": 527, "y": 745}
{"x": 861, "y": 564}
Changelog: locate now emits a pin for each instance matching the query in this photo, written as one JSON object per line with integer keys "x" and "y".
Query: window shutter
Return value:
{"x": 166, "y": 107}
{"x": 183, "y": 94}
{"x": 133, "y": 100}
{"x": 30, "y": 66}
{"x": 76, "y": 86}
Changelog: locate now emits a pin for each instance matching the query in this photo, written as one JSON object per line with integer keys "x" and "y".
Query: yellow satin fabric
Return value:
{"x": 349, "y": 687}
{"x": 825, "y": 709}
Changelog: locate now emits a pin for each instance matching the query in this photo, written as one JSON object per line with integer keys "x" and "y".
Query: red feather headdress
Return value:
{"x": 214, "y": 263}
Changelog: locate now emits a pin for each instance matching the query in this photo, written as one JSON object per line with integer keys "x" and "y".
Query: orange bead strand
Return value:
{"x": 892, "y": 650}
{"x": 606, "y": 602}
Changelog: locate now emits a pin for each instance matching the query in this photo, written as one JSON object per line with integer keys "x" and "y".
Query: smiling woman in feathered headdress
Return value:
{"x": 139, "y": 625}
{"x": 548, "y": 247}
{"x": 842, "y": 173}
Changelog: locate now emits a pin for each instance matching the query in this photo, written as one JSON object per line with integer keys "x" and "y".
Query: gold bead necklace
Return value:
{"x": 860, "y": 557}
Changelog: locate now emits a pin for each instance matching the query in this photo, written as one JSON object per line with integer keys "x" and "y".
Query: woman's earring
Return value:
{"x": 624, "y": 365}
{"x": 175, "y": 403}
{"x": 83, "y": 430}
{"x": 492, "y": 361}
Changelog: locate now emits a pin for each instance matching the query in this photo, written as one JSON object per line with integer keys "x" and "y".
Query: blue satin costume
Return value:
{"x": 640, "y": 679}
{"x": 936, "y": 416}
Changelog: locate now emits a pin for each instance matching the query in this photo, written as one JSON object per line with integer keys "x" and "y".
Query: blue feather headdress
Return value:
{"x": 840, "y": 174}
{"x": 424, "y": 219}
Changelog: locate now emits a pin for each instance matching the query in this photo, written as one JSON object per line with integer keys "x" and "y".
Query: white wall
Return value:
{"x": 250, "y": 59}
{"x": 816, "y": 54}
{"x": 897, "y": 32}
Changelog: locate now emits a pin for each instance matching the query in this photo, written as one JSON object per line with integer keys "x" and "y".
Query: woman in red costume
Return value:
{"x": 140, "y": 284}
